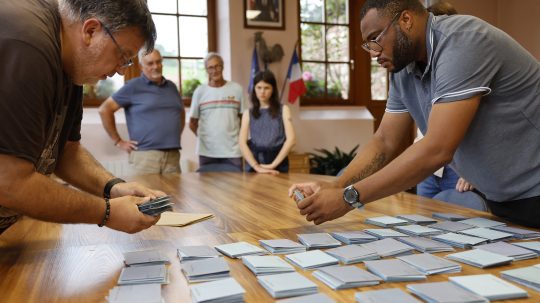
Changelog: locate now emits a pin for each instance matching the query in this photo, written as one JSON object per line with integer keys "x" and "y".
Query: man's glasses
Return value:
{"x": 373, "y": 45}
{"x": 127, "y": 61}
{"x": 214, "y": 68}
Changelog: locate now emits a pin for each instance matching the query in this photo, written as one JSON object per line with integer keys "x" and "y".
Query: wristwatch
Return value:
{"x": 352, "y": 197}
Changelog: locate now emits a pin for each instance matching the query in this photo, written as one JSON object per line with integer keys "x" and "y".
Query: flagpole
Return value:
{"x": 285, "y": 82}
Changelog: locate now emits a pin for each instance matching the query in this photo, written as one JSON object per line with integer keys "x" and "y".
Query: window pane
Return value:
{"x": 314, "y": 78}
{"x": 338, "y": 81}
{"x": 170, "y": 70}
{"x": 337, "y": 11}
{"x": 167, "y": 38}
{"x": 312, "y": 10}
{"x": 337, "y": 43}
{"x": 193, "y": 37}
{"x": 312, "y": 42}
{"x": 193, "y": 74}
{"x": 191, "y": 7}
{"x": 379, "y": 81}
{"x": 162, "y": 6}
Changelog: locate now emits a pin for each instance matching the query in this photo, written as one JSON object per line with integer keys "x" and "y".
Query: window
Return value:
{"x": 336, "y": 70}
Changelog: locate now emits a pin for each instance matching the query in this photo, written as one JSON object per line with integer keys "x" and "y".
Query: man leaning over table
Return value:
{"x": 48, "y": 50}
{"x": 473, "y": 91}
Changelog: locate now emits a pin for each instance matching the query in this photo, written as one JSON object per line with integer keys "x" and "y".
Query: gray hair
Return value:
{"x": 142, "y": 52}
{"x": 114, "y": 14}
{"x": 211, "y": 55}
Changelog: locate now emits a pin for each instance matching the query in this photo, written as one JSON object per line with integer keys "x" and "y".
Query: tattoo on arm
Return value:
{"x": 376, "y": 163}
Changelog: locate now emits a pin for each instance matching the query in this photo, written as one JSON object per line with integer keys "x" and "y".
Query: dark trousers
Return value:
{"x": 523, "y": 211}
{"x": 266, "y": 156}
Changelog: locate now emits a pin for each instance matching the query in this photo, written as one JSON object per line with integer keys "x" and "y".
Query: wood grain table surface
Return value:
{"x": 48, "y": 262}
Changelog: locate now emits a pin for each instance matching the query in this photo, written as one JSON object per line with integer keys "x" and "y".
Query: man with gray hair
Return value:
{"x": 48, "y": 50}
{"x": 215, "y": 115}
{"x": 155, "y": 118}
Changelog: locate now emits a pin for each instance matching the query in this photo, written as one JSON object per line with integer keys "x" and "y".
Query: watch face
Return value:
{"x": 351, "y": 196}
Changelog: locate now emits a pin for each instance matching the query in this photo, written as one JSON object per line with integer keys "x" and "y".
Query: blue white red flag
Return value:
{"x": 296, "y": 84}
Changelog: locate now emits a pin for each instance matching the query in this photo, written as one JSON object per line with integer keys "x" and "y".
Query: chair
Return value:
{"x": 467, "y": 199}
{"x": 218, "y": 167}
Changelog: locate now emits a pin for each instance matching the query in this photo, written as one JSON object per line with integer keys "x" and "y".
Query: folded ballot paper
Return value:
{"x": 394, "y": 270}
{"x": 312, "y": 259}
{"x": 240, "y": 249}
{"x": 314, "y": 298}
{"x": 451, "y": 226}
{"x": 489, "y": 287}
{"x": 383, "y": 233}
{"x": 417, "y": 219}
{"x": 426, "y": 245}
{"x": 265, "y": 265}
{"x": 388, "y": 247}
{"x": 197, "y": 252}
{"x": 430, "y": 264}
{"x": 482, "y": 222}
{"x": 386, "y": 221}
{"x": 181, "y": 219}
{"x": 458, "y": 240}
{"x": 444, "y": 292}
{"x": 318, "y": 240}
{"x": 480, "y": 258}
{"x": 519, "y": 233}
{"x": 282, "y": 246}
{"x": 148, "y": 293}
{"x": 145, "y": 257}
{"x": 391, "y": 295}
{"x": 418, "y": 230}
{"x": 156, "y": 206}
{"x": 448, "y": 216}
{"x": 353, "y": 237}
{"x": 220, "y": 291}
{"x": 486, "y": 233}
{"x": 144, "y": 275}
{"x": 343, "y": 277}
{"x": 350, "y": 254}
{"x": 532, "y": 245}
{"x": 508, "y": 250}
{"x": 205, "y": 270}
{"x": 528, "y": 276}
{"x": 287, "y": 285}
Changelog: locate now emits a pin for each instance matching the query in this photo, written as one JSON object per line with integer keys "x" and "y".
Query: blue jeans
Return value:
{"x": 433, "y": 185}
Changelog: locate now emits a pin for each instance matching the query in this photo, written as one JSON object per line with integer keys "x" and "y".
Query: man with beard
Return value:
{"x": 155, "y": 118}
{"x": 48, "y": 49}
{"x": 471, "y": 89}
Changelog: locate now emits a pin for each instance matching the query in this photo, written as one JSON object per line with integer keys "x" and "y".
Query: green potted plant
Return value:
{"x": 325, "y": 162}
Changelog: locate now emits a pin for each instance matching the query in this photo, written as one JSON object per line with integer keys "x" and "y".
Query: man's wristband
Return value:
{"x": 109, "y": 186}
{"x": 107, "y": 213}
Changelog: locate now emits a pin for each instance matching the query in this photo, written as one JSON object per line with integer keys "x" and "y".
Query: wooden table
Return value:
{"x": 47, "y": 262}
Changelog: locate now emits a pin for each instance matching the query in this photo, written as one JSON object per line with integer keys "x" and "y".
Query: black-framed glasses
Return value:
{"x": 127, "y": 61}
{"x": 373, "y": 45}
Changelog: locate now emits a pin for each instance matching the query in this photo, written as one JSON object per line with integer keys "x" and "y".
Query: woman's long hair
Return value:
{"x": 268, "y": 77}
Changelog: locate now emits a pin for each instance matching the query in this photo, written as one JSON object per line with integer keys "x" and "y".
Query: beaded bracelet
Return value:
{"x": 107, "y": 213}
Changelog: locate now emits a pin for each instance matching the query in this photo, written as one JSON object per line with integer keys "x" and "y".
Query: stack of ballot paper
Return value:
{"x": 287, "y": 285}
{"x": 391, "y": 295}
{"x": 318, "y": 240}
{"x": 486, "y": 233}
{"x": 342, "y": 277}
{"x": 205, "y": 269}
{"x": 508, "y": 250}
{"x": 419, "y": 230}
{"x": 181, "y": 219}
{"x": 394, "y": 270}
{"x": 519, "y": 233}
{"x": 388, "y": 247}
{"x": 430, "y": 264}
{"x": 156, "y": 206}
{"x": 282, "y": 246}
{"x": 144, "y": 275}
{"x": 312, "y": 259}
{"x": 426, "y": 245}
{"x": 489, "y": 287}
{"x": 350, "y": 254}
{"x": 386, "y": 221}
{"x": 448, "y": 216}
{"x": 480, "y": 258}
{"x": 197, "y": 252}
{"x": 482, "y": 222}
{"x": 444, "y": 292}
{"x": 533, "y": 245}
{"x": 528, "y": 276}
{"x": 225, "y": 290}
{"x": 462, "y": 241}
{"x": 383, "y": 233}
{"x": 148, "y": 293}
{"x": 240, "y": 249}
{"x": 264, "y": 265}
{"x": 417, "y": 219}
{"x": 353, "y": 237}
{"x": 314, "y": 298}
{"x": 451, "y": 226}
{"x": 145, "y": 257}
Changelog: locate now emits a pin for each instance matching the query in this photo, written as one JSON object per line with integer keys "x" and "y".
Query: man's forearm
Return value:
{"x": 109, "y": 124}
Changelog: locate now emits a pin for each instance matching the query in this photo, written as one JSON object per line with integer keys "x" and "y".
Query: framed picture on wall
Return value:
{"x": 264, "y": 14}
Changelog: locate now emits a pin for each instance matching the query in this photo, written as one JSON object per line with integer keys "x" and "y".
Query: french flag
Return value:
{"x": 296, "y": 84}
